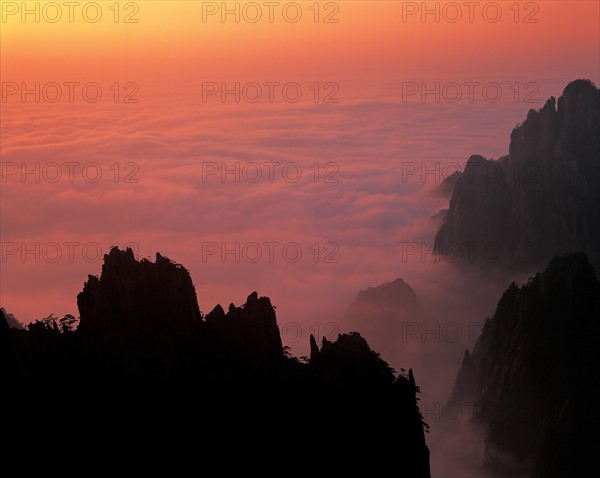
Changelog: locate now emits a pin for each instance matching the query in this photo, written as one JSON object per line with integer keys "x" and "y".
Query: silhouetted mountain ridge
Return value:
{"x": 144, "y": 350}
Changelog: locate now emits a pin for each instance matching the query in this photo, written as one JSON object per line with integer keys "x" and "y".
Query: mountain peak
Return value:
{"x": 380, "y": 312}
{"x": 131, "y": 293}
{"x": 540, "y": 200}
{"x": 580, "y": 87}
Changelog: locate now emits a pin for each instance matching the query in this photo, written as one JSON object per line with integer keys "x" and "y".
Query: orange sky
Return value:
{"x": 171, "y": 40}
{"x": 370, "y": 47}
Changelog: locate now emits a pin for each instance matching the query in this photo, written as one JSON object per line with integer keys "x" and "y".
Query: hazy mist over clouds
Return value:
{"x": 305, "y": 202}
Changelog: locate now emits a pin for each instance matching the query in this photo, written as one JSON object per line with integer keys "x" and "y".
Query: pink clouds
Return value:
{"x": 169, "y": 203}
{"x": 175, "y": 206}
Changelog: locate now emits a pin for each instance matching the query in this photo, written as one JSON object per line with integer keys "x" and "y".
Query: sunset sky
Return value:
{"x": 370, "y": 148}
{"x": 377, "y": 39}
{"x": 170, "y": 135}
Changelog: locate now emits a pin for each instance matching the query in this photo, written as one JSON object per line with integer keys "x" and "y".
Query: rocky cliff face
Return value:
{"x": 535, "y": 372}
{"x": 133, "y": 294}
{"x": 541, "y": 199}
{"x": 249, "y": 332}
{"x": 446, "y": 188}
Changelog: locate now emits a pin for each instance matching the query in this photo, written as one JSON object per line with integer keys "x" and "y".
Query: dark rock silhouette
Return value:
{"x": 249, "y": 332}
{"x": 13, "y": 375}
{"x": 540, "y": 200}
{"x": 130, "y": 294}
{"x": 446, "y": 188}
{"x": 361, "y": 376}
{"x": 381, "y": 312}
{"x": 144, "y": 351}
{"x": 11, "y": 320}
{"x": 535, "y": 372}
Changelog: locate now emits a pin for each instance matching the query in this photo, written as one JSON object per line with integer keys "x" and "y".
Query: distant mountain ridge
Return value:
{"x": 11, "y": 319}
{"x": 540, "y": 200}
{"x": 381, "y": 312}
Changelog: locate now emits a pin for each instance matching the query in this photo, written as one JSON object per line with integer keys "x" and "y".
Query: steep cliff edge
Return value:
{"x": 535, "y": 373}
{"x": 540, "y": 200}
